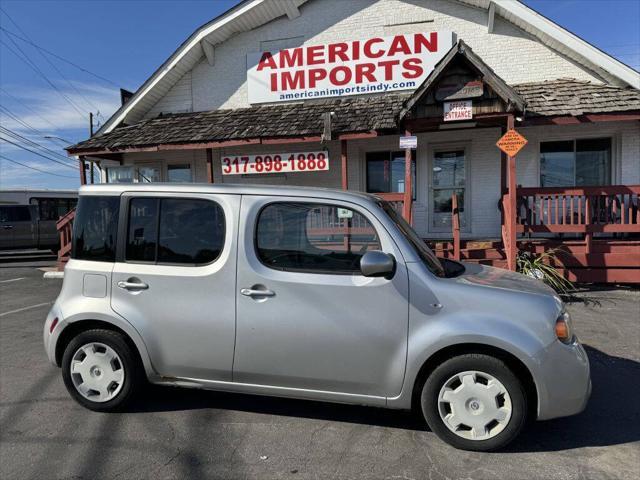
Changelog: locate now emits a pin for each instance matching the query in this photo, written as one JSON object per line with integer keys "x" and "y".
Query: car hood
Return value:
{"x": 499, "y": 278}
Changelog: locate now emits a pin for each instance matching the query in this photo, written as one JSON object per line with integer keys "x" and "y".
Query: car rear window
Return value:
{"x": 95, "y": 228}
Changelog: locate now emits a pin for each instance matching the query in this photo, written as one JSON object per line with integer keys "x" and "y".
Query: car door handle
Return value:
{"x": 7, "y": 227}
{"x": 133, "y": 285}
{"x": 249, "y": 292}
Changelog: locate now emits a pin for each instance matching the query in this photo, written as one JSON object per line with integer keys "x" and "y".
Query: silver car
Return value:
{"x": 305, "y": 293}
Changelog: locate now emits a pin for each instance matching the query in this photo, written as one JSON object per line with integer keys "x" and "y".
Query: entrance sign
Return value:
{"x": 409, "y": 142}
{"x": 461, "y": 110}
{"x": 378, "y": 64}
{"x": 511, "y": 143}
{"x": 275, "y": 163}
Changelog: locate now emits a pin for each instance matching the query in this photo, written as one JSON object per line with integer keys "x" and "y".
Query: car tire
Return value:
{"x": 101, "y": 371}
{"x": 465, "y": 389}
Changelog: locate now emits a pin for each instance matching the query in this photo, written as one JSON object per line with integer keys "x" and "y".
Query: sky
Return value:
{"x": 60, "y": 60}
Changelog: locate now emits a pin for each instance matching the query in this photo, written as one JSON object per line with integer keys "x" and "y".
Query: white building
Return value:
{"x": 346, "y": 79}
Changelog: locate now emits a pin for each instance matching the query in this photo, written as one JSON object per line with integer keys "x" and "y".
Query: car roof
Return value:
{"x": 231, "y": 189}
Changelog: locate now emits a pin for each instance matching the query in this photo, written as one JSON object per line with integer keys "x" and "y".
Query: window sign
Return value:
{"x": 275, "y": 163}
{"x": 373, "y": 65}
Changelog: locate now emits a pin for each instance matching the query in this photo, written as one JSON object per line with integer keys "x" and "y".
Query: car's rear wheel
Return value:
{"x": 474, "y": 402}
{"x": 101, "y": 370}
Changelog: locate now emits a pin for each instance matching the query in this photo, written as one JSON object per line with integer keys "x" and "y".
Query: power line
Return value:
{"x": 24, "y": 105}
{"x": 36, "y": 69}
{"x": 36, "y": 153}
{"x": 91, "y": 105}
{"x": 19, "y": 137}
{"x": 14, "y": 117}
{"x": 34, "y": 168}
{"x": 35, "y": 45}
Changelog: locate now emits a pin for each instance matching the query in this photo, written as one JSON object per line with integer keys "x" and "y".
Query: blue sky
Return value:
{"x": 122, "y": 42}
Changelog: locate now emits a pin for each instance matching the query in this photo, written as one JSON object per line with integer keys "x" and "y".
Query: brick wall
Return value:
{"x": 512, "y": 53}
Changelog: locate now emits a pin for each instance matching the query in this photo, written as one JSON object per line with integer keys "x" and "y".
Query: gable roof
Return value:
{"x": 250, "y": 14}
{"x": 561, "y": 40}
{"x": 245, "y": 16}
{"x": 461, "y": 49}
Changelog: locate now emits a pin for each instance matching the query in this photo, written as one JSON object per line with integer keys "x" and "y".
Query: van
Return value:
{"x": 307, "y": 293}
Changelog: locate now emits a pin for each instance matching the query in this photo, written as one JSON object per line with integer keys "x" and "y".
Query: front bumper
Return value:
{"x": 563, "y": 380}
{"x": 50, "y": 338}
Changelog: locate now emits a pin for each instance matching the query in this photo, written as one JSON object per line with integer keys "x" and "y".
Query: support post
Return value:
{"x": 345, "y": 167}
{"x": 588, "y": 236}
{"x": 406, "y": 204}
{"x": 91, "y": 167}
{"x": 210, "y": 165}
{"x": 512, "y": 248}
{"x": 83, "y": 170}
{"x": 455, "y": 223}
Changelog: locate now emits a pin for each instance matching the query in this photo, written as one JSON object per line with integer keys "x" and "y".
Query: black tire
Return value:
{"x": 481, "y": 363}
{"x": 133, "y": 370}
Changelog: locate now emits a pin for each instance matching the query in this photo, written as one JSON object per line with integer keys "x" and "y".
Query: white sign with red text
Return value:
{"x": 460, "y": 110}
{"x": 374, "y": 65}
{"x": 275, "y": 163}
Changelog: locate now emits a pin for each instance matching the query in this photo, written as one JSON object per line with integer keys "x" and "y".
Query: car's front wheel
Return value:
{"x": 474, "y": 402}
{"x": 101, "y": 370}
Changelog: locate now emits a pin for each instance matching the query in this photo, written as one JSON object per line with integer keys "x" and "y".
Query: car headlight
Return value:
{"x": 564, "y": 329}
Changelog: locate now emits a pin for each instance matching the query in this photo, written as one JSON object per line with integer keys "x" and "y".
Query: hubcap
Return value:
{"x": 97, "y": 372}
{"x": 474, "y": 405}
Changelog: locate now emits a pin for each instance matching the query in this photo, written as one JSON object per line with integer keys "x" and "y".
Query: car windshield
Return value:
{"x": 425, "y": 253}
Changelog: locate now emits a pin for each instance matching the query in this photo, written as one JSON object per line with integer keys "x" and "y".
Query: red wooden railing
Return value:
{"x": 608, "y": 209}
{"x": 396, "y": 200}
{"x": 611, "y": 209}
{"x": 64, "y": 225}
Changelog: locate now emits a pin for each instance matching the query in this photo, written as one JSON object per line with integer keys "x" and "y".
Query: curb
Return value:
{"x": 50, "y": 275}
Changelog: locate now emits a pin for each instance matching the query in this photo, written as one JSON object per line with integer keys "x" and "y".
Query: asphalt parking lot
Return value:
{"x": 173, "y": 433}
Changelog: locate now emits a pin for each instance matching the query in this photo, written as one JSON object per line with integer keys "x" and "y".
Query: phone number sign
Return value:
{"x": 275, "y": 163}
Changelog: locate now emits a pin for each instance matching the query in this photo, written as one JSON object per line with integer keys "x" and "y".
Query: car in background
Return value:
{"x": 28, "y": 217}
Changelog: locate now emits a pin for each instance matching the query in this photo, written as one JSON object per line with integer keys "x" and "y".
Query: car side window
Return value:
{"x": 176, "y": 231}
{"x": 4, "y": 214}
{"x": 313, "y": 238}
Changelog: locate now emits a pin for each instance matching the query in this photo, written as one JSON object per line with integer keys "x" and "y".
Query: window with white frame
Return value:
{"x": 134, "y": 174}
{"x": 575, "y": 163}
{"x": 180, "y": 173}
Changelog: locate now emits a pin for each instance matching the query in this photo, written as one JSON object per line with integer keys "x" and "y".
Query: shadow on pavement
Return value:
{"x": 161, "y": 399}
{"x": 612, "y": 416}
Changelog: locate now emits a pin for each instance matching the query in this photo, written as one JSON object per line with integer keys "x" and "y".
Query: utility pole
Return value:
{"x": 91, "y": 124}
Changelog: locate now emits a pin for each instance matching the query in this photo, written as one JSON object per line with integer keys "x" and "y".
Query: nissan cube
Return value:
{"x": 307, "y": 293}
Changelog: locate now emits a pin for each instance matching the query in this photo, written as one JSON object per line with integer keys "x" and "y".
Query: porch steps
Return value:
{"x": 609, "y": 260}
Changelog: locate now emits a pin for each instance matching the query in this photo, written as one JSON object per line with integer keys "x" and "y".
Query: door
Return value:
{"x": 20, "y": 227}
{"x": 448, "y": 175}
{"x": 307, "y": 318}
{"x": 6, "y": 227}
{"x": 174, "y": 280}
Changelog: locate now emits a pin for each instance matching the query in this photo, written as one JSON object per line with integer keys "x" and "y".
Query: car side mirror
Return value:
{"x": 378, "y": 264}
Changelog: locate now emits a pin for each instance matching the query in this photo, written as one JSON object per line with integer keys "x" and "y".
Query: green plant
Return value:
{"x": 540, "y": 266}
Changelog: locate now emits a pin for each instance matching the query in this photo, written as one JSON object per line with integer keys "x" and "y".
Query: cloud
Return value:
{"x": 47, "y": 110}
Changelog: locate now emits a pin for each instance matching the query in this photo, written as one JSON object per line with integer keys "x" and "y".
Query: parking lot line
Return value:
{"x": 12, "y": 280}
{"x": 24, "y": 308}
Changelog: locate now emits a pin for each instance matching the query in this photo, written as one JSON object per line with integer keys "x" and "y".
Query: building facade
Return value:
{"x": 272, "y": 85}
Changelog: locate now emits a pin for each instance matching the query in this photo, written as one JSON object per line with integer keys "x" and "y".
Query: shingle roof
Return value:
{"x": 572, "y": 97}
{"x": 352, "y": 115}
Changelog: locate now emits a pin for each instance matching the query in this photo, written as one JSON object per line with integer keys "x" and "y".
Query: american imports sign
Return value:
{"x": 374, "y": 65}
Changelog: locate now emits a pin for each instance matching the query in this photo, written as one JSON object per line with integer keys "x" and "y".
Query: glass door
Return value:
{"x": 448, "y": 175}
